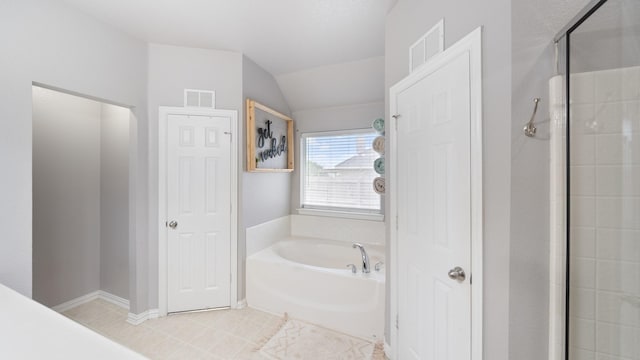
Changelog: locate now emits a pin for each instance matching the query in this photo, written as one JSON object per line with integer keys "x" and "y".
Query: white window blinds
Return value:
{"x": 337, "y": 172}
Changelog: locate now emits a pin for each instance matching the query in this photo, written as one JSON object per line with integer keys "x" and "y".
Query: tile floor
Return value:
{"x": 222, "y": 334}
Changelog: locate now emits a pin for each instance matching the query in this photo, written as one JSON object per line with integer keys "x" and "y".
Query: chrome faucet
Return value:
{"x": 365, "y": 258}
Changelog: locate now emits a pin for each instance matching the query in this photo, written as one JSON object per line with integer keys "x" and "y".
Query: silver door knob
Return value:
{"x": 457, "y": 273}
{"x": 173, "y": 224}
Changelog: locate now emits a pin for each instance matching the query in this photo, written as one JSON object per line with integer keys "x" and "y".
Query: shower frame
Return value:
{"x": 563, "y": 40}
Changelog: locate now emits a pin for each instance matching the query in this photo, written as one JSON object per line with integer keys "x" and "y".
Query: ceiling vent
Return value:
{"x": 428, "y": 46}
{"x": 199, "y": 98}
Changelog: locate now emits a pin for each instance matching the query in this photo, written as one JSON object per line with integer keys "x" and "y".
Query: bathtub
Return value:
{"x": 309, "y": 280}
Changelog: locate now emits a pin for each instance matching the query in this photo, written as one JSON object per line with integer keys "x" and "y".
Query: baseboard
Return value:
{"x": 241, "y": 304}
{"x": 387, "y": 350}
{"x": 108, "y": 297}
{"x": 134, "y": 319}
{"x": 154, "y": 314}
{"x": 68, "y": 305}
{"x": 114, "y": 299}
{"x": 137, "y": 319}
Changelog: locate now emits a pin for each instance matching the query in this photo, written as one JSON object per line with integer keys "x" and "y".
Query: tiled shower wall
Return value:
{"x": 605, "y": 217}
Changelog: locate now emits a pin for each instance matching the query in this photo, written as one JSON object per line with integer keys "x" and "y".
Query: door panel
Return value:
{"x": 199, "y": 200}
{"x": 434, "y": 214}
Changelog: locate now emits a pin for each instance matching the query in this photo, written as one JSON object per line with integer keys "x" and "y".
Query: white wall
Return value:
{"x": 80, "y": 197}
{"x": 339, "y": 229}
{"x": 264, "y": 196}
{"x": 533, "y": 26}
{"x": 234, "y": 78}
{"x": 57, "y": 45}
{"x": 529, "y": 251}
{"x": 48, "y": 42}
{"x": 171, "y": 69}
{"x": 66, "y": 196}
{"x": 358, "y": 116}
{"x": 114, "y": 200}
{"x": 407, "y": 22}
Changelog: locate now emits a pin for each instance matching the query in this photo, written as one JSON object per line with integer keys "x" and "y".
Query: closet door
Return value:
{"x": 437, "y": 188}
{"x": 199, "y": 212}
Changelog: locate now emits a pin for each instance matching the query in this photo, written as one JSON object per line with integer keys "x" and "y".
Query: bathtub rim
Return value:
{"x": 269, "y": 254}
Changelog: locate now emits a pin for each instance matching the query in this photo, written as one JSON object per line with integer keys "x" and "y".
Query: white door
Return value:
{"x": 199, "y": 212}
{"x": 434, "y": 212}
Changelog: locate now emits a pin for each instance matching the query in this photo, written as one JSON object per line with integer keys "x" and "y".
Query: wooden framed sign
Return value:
{"x": 269, "y": 139}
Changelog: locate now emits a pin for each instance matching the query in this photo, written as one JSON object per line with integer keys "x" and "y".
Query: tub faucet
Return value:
{"x": 353, "y": 268}
{"x": 365, "y": 258}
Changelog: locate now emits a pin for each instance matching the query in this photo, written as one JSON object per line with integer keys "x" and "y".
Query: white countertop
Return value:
{"x": 29, "y": 330}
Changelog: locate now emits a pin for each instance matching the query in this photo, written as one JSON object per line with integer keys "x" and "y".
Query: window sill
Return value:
{"x": 342, "y": 214}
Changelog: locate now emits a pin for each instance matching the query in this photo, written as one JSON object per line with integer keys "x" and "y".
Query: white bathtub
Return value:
{"x": 309, "y": 280}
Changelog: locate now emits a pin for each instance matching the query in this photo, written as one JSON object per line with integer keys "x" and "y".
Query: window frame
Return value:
{"x": 331, "y": 211}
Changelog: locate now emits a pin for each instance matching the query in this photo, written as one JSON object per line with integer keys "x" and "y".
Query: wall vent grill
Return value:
{"x": 427, "y": 46}
{"x": 199, "y": 98}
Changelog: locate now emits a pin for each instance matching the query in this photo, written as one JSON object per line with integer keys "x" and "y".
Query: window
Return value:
{"x": 337, "y": 172}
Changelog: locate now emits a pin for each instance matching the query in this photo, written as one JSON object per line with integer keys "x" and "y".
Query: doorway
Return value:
{"x": 197, "y": 209}
{"x": 436, "y": 207}
{"x": 80, "y": 200}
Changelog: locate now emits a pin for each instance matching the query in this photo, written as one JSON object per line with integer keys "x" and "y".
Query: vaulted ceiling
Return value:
{"x": 282, "y": 36}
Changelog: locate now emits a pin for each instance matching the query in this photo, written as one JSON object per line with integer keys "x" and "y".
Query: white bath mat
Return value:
{"x": 299, "y": 340}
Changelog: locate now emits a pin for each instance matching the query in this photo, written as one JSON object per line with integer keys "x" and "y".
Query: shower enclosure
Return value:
{"x": 595, "y": 151}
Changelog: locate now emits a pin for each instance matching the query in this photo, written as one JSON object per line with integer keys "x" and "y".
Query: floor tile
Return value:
{"x": 245, "y": 334}
{"x": 207, "y": 340}
{"x": 229, "y": 346}
{"x": 184, "y": 352}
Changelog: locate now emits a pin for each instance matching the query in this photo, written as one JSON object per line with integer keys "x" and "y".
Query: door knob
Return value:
{"x": 457, "y": 273}
{"x": 173, "y": 224}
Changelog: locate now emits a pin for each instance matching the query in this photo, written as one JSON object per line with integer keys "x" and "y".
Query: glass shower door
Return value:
{"x": 604, "y": 184}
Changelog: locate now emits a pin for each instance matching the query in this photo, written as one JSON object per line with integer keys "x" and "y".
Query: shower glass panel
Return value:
{"x": 604, "y": 183}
